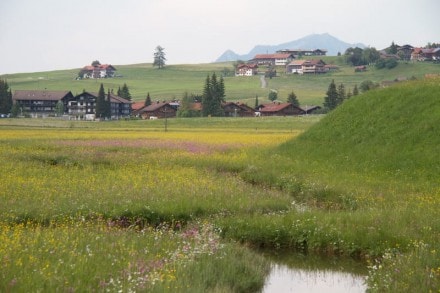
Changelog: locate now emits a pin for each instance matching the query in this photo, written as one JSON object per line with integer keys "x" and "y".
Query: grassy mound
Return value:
{"x": 392, "y": 132}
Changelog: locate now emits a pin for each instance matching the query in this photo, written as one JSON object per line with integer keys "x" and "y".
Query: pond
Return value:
{"x": 310, "y": 274}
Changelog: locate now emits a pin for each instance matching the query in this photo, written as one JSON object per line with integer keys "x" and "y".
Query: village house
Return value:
{"x": 280, "y": 109}
{"x": 246, "y": 70}
{"x": 156, "y": 110}
{"x": 272, "y": 59}
{"x": 97, "y": 71}
{"x": 404, "y": 52}
{"x": 421, "y": 54}
{"x": 40, "y": 103}
{"x": 306, "y": 67}
{"x": 232, "y": 109}
{"x": 83, "y": 106}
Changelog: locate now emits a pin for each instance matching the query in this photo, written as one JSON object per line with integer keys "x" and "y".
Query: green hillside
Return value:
{"x": 392, "y": 132}
{"x": 174, "y": 80}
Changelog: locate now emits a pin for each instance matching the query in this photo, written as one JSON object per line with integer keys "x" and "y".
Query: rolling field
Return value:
{"x": 175, "y": 80}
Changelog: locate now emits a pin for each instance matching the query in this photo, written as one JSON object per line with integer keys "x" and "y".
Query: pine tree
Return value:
{"x": 355, "y": 90}
{"x": 100, "y": 108}
{"x": 124, "y": 92}
{"x": 341, "y": 94}
{"x": 256, "y": 102}
{"x": 159, "y": 57}
{"x": 147, "y": 100}
{"x": 108, "y": 106}
{"x": 5, "y": 97}
{"x": 207, "y": 98}
{"x": 293, "y": 99}
{"x": 331, "y": 99}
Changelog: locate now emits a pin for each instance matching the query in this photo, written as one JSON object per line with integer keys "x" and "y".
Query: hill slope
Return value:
{"x": 393, "y": 132}
{"x": 314, "y": 41}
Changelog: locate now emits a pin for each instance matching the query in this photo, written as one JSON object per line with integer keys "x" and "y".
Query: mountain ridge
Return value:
{"x": 314, "y": 41}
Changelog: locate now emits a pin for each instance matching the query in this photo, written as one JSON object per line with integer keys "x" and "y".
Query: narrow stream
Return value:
{"x": 311, "y": 274}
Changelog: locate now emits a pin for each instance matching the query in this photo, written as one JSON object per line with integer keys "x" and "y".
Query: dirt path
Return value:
{"x": 263, "y": 81}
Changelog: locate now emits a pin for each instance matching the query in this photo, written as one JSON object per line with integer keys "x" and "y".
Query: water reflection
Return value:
{"x": 309, "y": 274}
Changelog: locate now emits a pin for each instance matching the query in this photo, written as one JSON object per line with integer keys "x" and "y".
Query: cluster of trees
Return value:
{"x": 336, "y": 95}
{"x": 357, "y": 56}
{"x": 213, "y": 96}
{"x": 5, "y": 97}
{"x": 273, "y": 96}
{"x": 103, "y": 105}
{"x": 124, "y": 92}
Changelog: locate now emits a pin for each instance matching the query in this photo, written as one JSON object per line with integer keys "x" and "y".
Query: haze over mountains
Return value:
{"x": 314, "y": 41}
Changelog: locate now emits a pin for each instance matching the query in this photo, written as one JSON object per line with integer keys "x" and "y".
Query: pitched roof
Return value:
{"x": 137, "y": 105}
{"x": 273, "y": 56}
{"x": 40, "y": 95}
{"x": 274, "y": 107}
{"x": 113, "y": 98}
{"x": 153, "y": 107}
{"x": 100, "y": 66}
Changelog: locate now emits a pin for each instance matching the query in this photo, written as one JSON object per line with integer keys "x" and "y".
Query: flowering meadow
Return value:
{"x": 126, "y": 207}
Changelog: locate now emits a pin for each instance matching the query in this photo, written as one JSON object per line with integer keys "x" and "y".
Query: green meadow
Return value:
{"x": 173, "y": 81}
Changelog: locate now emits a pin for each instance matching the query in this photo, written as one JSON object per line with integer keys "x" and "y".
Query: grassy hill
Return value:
{"x": 392, "y": 132}
{"x": 174, "y": 80}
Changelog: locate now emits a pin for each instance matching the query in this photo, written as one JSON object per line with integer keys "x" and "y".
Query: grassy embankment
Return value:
{"x": 365, "y": 180}
{"x": 174, "y": 80}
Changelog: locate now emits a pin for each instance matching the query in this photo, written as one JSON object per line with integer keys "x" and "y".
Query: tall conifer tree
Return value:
{"x": 147, "y": 100}
{"x": 293, "y": 99}
{"x": 5, "y": 97}
{"x": 331, "y": 99}
{"x": 100, "y": 107}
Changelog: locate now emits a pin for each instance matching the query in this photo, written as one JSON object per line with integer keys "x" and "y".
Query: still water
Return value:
{"x": 307, "y": 274}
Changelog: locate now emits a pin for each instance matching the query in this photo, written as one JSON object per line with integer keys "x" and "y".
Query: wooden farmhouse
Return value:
{"x": 83, "y": 106}
{"x": 280, "y": 109}
{"x": 156, "y": 110}
{"x": 40, "y": 103}
{"x": 232, "y": 109}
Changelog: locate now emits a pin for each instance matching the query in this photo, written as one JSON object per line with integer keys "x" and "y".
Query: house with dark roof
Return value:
{"x": 83, "y": 106}
{"x": 279, "y": 109}
{"x": 39, "y": 103}
{"x": 156, "y": 110}
{"x": 232, "y": 109}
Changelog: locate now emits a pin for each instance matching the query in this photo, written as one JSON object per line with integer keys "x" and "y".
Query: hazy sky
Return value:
{"x": 41, "y": 35}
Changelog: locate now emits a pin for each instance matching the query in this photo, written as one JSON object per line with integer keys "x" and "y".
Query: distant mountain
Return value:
{"x": 315, "y": 41}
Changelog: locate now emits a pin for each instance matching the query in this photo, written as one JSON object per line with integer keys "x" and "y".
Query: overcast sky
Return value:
{"x": 42, "y": 35}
